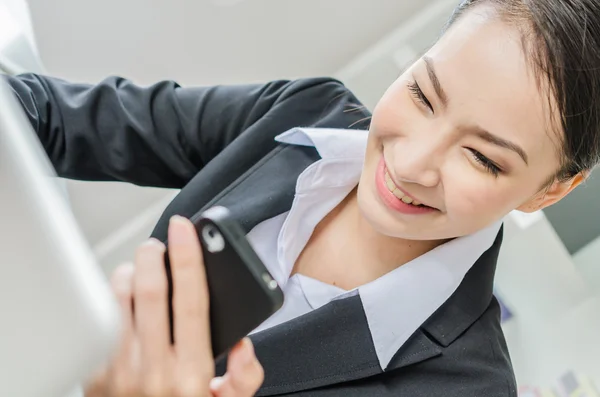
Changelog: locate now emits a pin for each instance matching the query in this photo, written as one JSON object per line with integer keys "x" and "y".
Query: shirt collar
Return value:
{"x": 331, "y": 143}
{"x": 398, "y": 303}
{"x": 321, "y": 186}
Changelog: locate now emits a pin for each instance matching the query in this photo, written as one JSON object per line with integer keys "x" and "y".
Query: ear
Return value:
{"x": 553, "y": 194}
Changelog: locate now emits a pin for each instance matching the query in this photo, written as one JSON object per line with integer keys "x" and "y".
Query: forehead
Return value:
{"x": 482, "y": 65}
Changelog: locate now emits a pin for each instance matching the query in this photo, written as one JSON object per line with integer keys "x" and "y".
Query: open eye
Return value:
{"x": 418, "y": 94}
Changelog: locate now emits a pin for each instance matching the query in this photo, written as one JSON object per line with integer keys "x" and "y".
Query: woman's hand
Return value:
{"x": 146, "y": 364}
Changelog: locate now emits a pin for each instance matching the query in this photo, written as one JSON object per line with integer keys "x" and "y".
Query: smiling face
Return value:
{"x": 467, "y": 130}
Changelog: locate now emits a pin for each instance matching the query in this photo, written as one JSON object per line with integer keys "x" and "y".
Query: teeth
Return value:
{"x": 401, "y": 196}
{"x": 389, "y": 183}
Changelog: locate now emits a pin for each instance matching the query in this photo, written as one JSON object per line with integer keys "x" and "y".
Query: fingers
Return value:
{"x": 151, "y": 312}
{"x": 244, "y": 373}
{"x": 121, "y": 375}
{"x": 146, "y": 363}
{"x": 190, "y": 297}
{"x": 122, "y": 286}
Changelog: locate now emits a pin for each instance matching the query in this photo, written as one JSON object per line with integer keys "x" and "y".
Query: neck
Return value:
{"x": 355, "y": 253}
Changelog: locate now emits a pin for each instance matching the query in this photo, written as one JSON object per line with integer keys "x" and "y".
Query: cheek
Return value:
{"x": 394, "y": 112}
{"x": 476, "y": 201}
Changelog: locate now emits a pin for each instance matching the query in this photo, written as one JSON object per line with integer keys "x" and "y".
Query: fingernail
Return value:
{"x": 122, "y": 278}
{"x": 179, "y": 230}
{"x": 216, "y": 383}
{"x": 247, "y": 351}
{"x": 152, "y": 242}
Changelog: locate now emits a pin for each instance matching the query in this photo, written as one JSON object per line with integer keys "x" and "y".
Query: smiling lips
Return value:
{"x": 393, "y": 197}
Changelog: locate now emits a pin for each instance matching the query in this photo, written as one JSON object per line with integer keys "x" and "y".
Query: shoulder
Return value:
{"x": 477, "y": 363}
{"x": 312, "y": 86}
{"x": 481, "y": 359}
{"x": 323, "y": 84}
{"x": 318, "y": 102}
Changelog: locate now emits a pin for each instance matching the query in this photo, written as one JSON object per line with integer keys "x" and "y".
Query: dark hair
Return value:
{"x": 562, "y": 39}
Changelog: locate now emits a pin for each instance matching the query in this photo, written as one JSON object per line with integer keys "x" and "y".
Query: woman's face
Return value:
{"x": 466, "y": 131}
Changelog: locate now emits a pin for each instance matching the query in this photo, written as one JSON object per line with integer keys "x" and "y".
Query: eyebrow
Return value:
{"x": 496, "y": 140}
{"x": 435, "y": 80}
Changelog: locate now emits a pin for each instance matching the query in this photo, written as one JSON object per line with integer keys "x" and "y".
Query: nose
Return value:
{"x": 417, "y": 162}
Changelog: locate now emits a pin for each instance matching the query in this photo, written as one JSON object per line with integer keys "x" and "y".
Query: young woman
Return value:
{"x": 385, "y": 242}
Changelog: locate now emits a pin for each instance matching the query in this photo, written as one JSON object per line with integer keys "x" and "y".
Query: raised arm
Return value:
{"x": 160, "y": 135}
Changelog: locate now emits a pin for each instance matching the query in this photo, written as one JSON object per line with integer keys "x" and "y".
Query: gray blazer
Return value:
{"x": 216, "y": 144}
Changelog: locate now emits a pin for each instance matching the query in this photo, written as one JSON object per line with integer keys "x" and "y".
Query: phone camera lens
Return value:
{"x": 271, "y": 284}
{"x": 213, "y": 239}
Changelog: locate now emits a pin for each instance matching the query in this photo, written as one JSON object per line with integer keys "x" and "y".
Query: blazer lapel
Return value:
{"x": 469, "y": 301}
{"x": 326, "y": 346}
{"x": 265, "y": 190}
{"x": 456, "y": 315}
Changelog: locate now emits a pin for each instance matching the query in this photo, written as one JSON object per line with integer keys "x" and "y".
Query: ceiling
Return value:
{"x": 198, "y": 42}
{"x": 195, "y": 42}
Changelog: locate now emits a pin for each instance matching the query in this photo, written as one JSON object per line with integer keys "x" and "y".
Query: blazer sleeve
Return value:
{"x": 160, "y": 135}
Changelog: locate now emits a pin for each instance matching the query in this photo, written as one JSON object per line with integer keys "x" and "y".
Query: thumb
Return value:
{"x": 244, "y": 373}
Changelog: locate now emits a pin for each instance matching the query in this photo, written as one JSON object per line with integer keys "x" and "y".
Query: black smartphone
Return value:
{"x": 242, "y": 292}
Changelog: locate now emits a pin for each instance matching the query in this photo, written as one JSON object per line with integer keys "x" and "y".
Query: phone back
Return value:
{"x": 242, "y": 292}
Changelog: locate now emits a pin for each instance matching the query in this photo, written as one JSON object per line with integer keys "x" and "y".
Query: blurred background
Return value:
{"x": 549, "y": 275}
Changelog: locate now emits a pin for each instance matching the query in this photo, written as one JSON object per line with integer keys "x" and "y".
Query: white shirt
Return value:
{"x": 396, "y": 304}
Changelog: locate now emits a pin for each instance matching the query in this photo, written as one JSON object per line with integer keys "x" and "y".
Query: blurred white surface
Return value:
{"x": 54, "y": 300}
{"x": 18, "y": 50}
